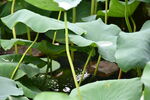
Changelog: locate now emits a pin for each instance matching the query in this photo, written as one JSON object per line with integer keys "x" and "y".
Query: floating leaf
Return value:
{"x": 28, "y": 59}
{"x": 28, "y": 92}
{"x": 117, "y": 8}
{"x": 125, "y": 89}
{"x": 45, "y": 4}
{"x": 37, "y": 22}
{"x": 7, "y": 88}
{"x": 53, "y": 96}
{"x": 146, "y": 80}
{"x": 8, "y": 68}
{"x": 17, "y": 98}
{"x": 68, "y": 4}
{"x": 98, "y": 34}
{"x": 55, "y": 66}
{"x": 133, "y": 49}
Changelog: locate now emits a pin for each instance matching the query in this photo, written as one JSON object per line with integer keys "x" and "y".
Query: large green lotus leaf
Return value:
{"x": 117, "y": 8}
{"x": 98, "y": 34}
{"x": 146, "y": 80}
{"x": 45, "y": 4}
{"x": 54, "y": 96}
{"x": 124, "y": 89}
{"x": 133, "y": 49}
{"x": 17, "y": 98}
{"x": 28, "y": 59}
{"x": 7, "y": 69}
{"x": 38, "y": 23}
{"x": 28, "y": 92}
{"x": 7, "y": 88}
{"x": 68, "y": 4}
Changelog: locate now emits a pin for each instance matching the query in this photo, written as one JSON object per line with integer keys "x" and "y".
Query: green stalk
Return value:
{"x": 120, "y": 74}
{"x": 126, "y": 16}
{"x": 29, "y": 38}
{"x": 97, "y": 65}
{"x": 73, "y": 21}
{"x": 95, "y": 9}
{"x": 85, "y": 65}
{"x": 55, "y": 33}
{"x": 106, "y": 9}
{"x": 13, "y": 30}
{"x": 69, "y": 56}
{"x": 134, "y": 25}
{"x": 92, "y": 7}
{"x": 20, "y": 61}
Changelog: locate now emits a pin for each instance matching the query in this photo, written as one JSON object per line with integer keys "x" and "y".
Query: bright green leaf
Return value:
{"x": 117, "y": 8}
{"x": 99, "y": 34}
{"x": 45, "y": 4}
{"x": 37, "y": 22}
{"x": 125, "y": 89}
{"x": 7, "y": 88}
{"x": 68, "y": 4}
{"x": 133, "y": 49}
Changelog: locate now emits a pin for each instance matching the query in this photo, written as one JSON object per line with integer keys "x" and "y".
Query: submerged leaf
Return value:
{"x": 7, "y": 88}
{"x": 117, "y": 8}
{"x": 125, "y": 89}
{"x": 133, "y": 49}
{"x": 98, "y": 34}
{"x": 38, "y": 23}
{"x": 68, "y": 4}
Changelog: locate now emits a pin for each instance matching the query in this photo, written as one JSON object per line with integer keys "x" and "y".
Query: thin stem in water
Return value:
{"x": 126, "y": 16}
{"x": 134, "y": 25}
{"x": 13, "y": 30}
{"x": 55, "y": 33}
{"x": 29, "y": 38}
{"x": 92, "y": 7}
{"x": 97, "y": 65}
{"x": 69, "y": 56}
{"x": 85, "y": 65}
{"x": 20, "y": 61}
{"x": 106, "y": 10}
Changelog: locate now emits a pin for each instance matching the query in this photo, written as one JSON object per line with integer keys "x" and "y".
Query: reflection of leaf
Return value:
{"x": 68, "y": 4}
{"x": 37, "y": 22}
{"x": 7, "y": 88}
{"x": 125, "y": 89}
{"x": 117, "y": 8}
{"x": 146, "y": 80}
{"x": 98, "y": 34}
{"x": 133, "y": 49}
{"x": 53, "y": 96}
{"x": 45, "y": 4}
